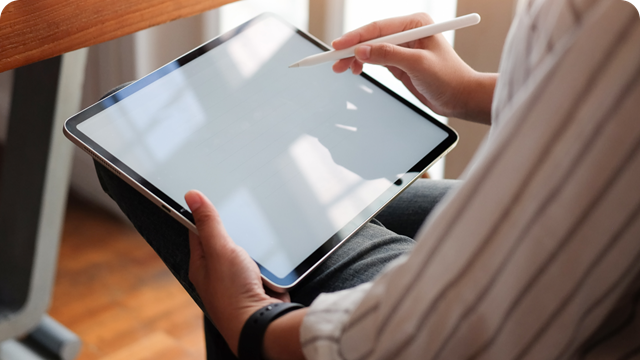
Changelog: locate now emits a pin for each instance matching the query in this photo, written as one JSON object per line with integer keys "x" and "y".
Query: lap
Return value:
{"x": 361, "y": 258}
{"x": 357, "y": 261}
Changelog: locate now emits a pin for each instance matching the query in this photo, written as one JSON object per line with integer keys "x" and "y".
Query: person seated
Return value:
{"x": 535, "y": 254}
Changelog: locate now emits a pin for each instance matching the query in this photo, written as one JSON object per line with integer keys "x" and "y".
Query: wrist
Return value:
{"x": 252, "y": 338}
{"x": 282, "y": 338}
{"x": 231, "y": 327}
{"x": 477, "y": 98}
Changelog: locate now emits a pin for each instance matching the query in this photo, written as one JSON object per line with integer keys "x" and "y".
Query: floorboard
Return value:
{"x": 114, "y": 292}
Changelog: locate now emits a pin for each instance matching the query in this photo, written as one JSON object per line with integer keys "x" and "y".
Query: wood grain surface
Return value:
{"x": 33, "y": 30}
{"x": 114, "y": 292}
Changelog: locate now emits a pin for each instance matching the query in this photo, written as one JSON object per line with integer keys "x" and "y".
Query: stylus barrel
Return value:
{"x": 395, "y": 39}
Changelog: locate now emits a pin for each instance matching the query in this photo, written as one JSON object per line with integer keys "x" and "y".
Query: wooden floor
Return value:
{"x": 115, "y": 293}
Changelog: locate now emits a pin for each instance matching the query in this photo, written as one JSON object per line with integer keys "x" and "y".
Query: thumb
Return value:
{"x": 197, "y": 260}
{"x": 390, "y": 55}
{"x": 210, "y": 228}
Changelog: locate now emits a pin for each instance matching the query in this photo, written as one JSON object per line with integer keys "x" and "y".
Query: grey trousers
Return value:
{"x": 358, "y": 260}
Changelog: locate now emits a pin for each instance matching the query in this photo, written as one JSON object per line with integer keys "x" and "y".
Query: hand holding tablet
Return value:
{"x": 294, "y": 161}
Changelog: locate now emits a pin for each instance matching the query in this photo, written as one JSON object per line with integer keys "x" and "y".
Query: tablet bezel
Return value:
{"x": 184, "y": 215}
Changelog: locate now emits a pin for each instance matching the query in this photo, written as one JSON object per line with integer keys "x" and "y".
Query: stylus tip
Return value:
{"x": 294, "y": 65}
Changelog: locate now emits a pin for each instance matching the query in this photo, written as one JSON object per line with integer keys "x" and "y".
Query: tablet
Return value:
{"x": 295, "y": 160}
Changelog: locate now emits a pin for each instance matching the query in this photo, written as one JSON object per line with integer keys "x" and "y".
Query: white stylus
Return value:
{"x": 395, "y": 39}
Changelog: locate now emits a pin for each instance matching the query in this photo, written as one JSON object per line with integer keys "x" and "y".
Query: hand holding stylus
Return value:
{"x": 401, "y": 37}
{"x": 428, "y": 67}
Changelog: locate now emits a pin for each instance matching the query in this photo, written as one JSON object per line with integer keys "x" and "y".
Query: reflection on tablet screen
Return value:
{"x": 288, "y": 156}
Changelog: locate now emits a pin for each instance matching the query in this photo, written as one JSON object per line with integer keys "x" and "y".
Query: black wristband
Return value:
{"x": 252, "y": 335}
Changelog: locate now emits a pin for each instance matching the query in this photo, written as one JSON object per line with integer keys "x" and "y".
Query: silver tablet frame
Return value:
{"x": 187, "y": 223}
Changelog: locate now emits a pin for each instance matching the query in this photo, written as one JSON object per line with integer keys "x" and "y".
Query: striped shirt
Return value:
{"x": 537, "y": 254}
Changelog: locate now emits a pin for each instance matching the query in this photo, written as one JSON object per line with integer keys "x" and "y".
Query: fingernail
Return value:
{"x": 363, "y": 52}
{"x": 193, "y": 200}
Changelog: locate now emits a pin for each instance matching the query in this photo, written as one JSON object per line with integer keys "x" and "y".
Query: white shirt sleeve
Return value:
{"x": 530, "y": 256}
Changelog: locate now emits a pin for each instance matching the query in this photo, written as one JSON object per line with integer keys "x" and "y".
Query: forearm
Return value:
{"x": 477, "y": 96}
{"x": 282, "y": 339}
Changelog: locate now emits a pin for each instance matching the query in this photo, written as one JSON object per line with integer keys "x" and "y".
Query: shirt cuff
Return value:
{"x": 325, "y": 319}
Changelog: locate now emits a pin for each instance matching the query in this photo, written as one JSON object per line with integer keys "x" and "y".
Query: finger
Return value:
{"x": 397, "y": 73}
{"x": 195, "y": 246}
{"x": 343, "y": 65}
{"x": 210, "y": 227}
{"x": 284, "y": 297}
{"x": 381, "y": 28}
{"x": 196, "y": 255}
{"x": 408, "y": 60}
{"x": 406, "y": 80}
{"x": 357, "y": 67}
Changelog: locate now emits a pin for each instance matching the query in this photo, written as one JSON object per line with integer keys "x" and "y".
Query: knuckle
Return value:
{"x": 386, "y": 51}
{"x": 424, "y": 18}
{"x": 418, "y": 20}
{"x": 376, "y": 28}
{"x": 206, "y": 218}
{"x": 236, "y": 250}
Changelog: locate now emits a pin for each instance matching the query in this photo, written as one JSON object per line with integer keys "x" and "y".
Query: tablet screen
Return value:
{"x": 289, "y": 157}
